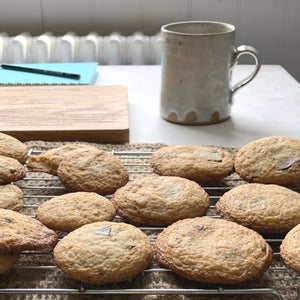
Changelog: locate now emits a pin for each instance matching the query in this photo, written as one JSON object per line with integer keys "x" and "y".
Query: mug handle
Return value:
{"x": 241, "y": 50}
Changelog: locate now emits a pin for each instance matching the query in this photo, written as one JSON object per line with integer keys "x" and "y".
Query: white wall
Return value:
{"x": 271, "y": 26}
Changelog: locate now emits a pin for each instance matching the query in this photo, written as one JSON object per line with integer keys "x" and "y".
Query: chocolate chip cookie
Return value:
{"x": 160, "y": 200}
{"x": 7, "y": 261}
{"x": 71, "y": 211}
{"x": 213, "y": 250}
{"x": 11, "y": 197}
{"x": 49, "y": 160}
{"x": 290, "y": 249}
{"x": 198, "y": 163}
{"x": 104, "y": 252}
{"x": 11, "y": 147}
{"x": 92, "y": 171}
{"x": 10, "y": 170}
{"x": 19, "y": 232}
{"x": 262, "y": 207}
{"x": 273, "y": 159}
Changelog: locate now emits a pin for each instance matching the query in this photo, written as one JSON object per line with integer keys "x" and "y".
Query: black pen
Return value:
{"x": 41, "y": 71}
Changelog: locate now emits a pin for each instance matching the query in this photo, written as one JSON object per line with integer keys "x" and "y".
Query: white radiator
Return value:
{"x": 114, "y": 49}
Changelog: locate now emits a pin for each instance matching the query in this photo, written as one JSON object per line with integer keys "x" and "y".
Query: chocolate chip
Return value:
{"x": 7, "y": 220}
{"x": 129, "y": 247}
{"x": 178, "y": 240}
{"x": 289, "y": 164}
{"x": 216, "y": 159}
{"x": 229, "y": 254}
{"x": 200, "y": 227}
{"x": 242, "y": 207}
{"x": 12, "y": 170}
{"x": 210, "y": 155}
{"x": 106, "y": 230}
{"x": 100, "y": 273}
{"x": 86, "y": 165}
{"x": 253, "y": 179}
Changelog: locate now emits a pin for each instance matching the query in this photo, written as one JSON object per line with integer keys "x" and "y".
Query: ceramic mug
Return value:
{"x": 197, "y": 62}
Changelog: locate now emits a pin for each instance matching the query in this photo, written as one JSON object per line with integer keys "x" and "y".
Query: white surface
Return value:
{"x": 269, "y": 105}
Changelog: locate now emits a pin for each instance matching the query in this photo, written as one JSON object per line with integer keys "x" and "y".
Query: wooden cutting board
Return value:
{"x": 65, "y": 113}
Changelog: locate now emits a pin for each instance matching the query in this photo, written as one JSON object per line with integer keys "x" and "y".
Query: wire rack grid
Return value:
{"x": 39, "y": 187}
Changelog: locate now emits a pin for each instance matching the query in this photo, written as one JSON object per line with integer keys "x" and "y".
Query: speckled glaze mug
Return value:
{"x": 197, "y": 62}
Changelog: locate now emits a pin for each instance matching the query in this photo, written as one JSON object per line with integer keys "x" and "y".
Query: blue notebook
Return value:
{"x": 87, "y": 70}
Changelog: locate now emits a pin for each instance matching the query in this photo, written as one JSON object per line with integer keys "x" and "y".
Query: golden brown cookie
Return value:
{"x": 11, "y": 197}
{"x": 290, "y": 249}
{"x": 262, "y": 207}
{"x": 11, "y": 147}
{"x": 92, "y": 171}
{"x": 213, "y": 250}
{"x": 199, "y": 163}
{"x": 49, "y": 160}
{"x": 7, "y": 261}
{"x": 104, "y": 252}
{"x": 19, "y": 232}
{"x": 160, "y": 200}
{"x": 71, "y": 211}
{"x": 10, "y": 170}
{"x": 273, "y": 159}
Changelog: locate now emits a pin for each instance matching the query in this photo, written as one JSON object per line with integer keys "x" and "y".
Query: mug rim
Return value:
{"x": 231, "y": 28}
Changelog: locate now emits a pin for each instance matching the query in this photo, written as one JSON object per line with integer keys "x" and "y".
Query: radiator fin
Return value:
{"x": 115, "y": 49}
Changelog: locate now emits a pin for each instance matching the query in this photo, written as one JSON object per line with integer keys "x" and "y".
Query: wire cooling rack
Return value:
{"x": 39, "y": 187}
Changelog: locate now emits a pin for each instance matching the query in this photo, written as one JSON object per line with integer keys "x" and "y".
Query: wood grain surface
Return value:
{"x": 69, "y": 113}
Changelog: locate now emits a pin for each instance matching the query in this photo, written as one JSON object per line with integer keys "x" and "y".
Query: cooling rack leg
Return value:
{"x": 277, "y": 294}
